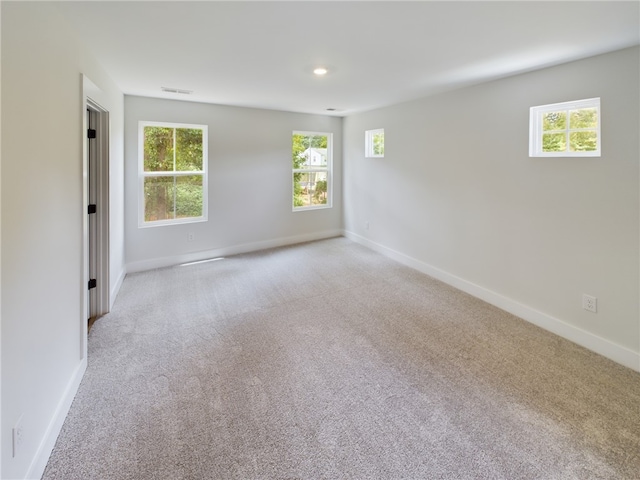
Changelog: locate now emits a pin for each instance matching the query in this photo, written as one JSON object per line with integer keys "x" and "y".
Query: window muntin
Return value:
{"x": 172, "y": 173}
{"x": 569, "y": 129}
{"x": 311, "y": 170}
{"x": 374, "y": 143}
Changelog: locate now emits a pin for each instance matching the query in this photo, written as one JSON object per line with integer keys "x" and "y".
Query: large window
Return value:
{"x": 172, "y": 170}
{"x": 311, "y": 155}
{"x": 569, "y": 129}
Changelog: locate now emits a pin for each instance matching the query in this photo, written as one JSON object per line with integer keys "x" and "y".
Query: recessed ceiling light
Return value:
{"x": 331, "y": 109}
{"x": 320, "y": 71}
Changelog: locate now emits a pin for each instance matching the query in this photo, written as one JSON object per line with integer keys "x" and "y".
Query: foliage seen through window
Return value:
{"x": 173, "y": 171}
{"x": 311, "y": 155}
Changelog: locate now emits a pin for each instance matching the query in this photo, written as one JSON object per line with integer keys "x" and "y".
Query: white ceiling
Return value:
{"x": 261, "y": 54}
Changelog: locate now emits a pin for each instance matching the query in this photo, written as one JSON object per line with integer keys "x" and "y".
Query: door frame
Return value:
{"x": 101, "y": 252}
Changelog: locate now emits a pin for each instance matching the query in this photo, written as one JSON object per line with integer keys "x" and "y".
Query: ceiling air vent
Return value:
{"x": 176, "y": 90}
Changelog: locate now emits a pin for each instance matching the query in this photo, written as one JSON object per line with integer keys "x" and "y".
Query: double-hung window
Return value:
{"x": 312, "y": 160}
{"x": 568, "y": 129}
{"x": 172, "y": 173}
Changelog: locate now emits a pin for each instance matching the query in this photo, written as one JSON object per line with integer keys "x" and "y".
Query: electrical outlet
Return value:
{"x": 191, "y": 236}
{"x": 589, "y": 303}
{"x": 366, "y": 225}
{"x": 17, "y": 436}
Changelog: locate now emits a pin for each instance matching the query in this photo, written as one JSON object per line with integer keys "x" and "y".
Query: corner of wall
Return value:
{"x": 144, "y": 265}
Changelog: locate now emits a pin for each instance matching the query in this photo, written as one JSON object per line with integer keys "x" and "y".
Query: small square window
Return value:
{"x": 569, "y": 129}
{"x": 374, "y": 143}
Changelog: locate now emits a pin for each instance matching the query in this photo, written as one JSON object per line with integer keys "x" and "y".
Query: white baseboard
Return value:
{"x": 39, "y": 463}
{"x": 116, "y": 287}
{"x": 152, "y": 263}
{"x": 604, "y": 347}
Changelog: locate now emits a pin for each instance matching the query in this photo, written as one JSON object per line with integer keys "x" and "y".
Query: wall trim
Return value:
{"x": 116, "y": 287}
{"x": 40, "y": 459}
{"x": 604, "y": 347}
{"x": 152, "y": 263}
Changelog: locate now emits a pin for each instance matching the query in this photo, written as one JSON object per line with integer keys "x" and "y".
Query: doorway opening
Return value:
{"x": 96, "y": 210}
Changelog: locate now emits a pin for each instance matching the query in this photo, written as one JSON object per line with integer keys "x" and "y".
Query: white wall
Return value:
{"x": 249, "y": 183}
{"x": 41, "y": 224}
{"x": 458, "y": 197}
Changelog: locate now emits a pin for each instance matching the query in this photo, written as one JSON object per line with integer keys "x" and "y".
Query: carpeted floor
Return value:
{"x": 328, "y": 361}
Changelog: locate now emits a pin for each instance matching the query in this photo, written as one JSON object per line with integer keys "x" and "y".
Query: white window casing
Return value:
{"x": 560, "y": 129}
{"x": 374, "y": 143}
{"x": 311, "y": 165}
{"x": 175, "y": 177}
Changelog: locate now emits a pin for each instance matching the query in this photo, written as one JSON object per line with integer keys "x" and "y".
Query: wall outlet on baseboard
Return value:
{"x": 17, "y": 437}
{"x": 589, "y": 303}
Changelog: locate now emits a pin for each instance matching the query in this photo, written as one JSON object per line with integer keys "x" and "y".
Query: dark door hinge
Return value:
{"x": 93, "y": 283}
{"x": 92, "y": 208}
{"x": 91, "y": 133}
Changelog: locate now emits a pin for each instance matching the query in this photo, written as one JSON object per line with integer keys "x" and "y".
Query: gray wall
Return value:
{"x": 249, "y": 183}
{"x": 458, "y": 197}
{"x": 42, "y": 211}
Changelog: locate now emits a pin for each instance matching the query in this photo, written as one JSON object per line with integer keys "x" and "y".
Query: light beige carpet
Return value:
{"x": 328, "y": 361}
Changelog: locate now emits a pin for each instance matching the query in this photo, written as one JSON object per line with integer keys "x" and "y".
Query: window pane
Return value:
{"x": 378, "y": 144}
{"x": 188, "y": 149}
{"x": 554, "y": 121}
{"x": 583, "y": 141}
{"x": 311, "y": 189}
{"x": 317, "y": 157}
{"x": 300, "y": 144}
{"x": 583, "y": 118}
{"x": 309, "y": 150}
{"x": 306, "y": 157}
{"x": 158, "y": 149}
{"x": 554, "y": 142}
{"x": 189, "y": 196}
{"x": 158, "y": 198}
{"x": 318, "y": 189}
{"x": 317, "y": 141}
{"x": 301, "y": 190}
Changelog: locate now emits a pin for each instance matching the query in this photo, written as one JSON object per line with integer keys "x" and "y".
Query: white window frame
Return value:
{"x": 369, "y": 149}
{"x": 142, "y": 223}
{"x": 328, "y": 169}
{"x": 535, "y": 128}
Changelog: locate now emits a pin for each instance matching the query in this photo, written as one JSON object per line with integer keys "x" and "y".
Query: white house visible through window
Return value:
{"x": 172, "y": 173}
{"x": 374, "y": 143}
{"x": 568, "y": 129}
{"x": 311, "y": 162}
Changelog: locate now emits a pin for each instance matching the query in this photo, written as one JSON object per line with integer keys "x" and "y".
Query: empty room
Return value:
{"x": 320, "y": 240}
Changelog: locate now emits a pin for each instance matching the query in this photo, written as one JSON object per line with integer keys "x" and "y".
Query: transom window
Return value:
{"x": 172, "y": 173}
{"x": 312, "y": 160}
{"x": 569, "y": 129}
